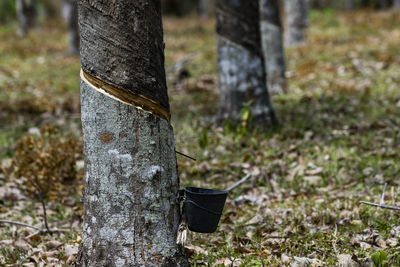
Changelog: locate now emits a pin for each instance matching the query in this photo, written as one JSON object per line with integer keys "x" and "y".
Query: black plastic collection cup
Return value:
{"x": 203, "y": 208}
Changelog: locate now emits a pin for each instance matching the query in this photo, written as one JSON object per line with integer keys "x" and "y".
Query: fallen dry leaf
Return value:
{"x": 285, "y": 258}
{"x": 345, "y": 260}
{"x": 298, "y": 170}
{"x": 365, "y": 245}
{"x": 53, "y": 244}
{"x": 313, "y": 180}
{"x": 315, "y": 171}
{"x": 191, "y": 249}
{"x": 22, "y": 244}
{"x": 71, "y": 250}
{"x": 228, "y": 262}
{"x": 392, "y": 242}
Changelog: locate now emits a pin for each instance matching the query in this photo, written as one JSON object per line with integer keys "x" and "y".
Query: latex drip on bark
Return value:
{"x": 182, "y": 233}
{"x": 135, "y": 100}
{"x": 181, "y": 236}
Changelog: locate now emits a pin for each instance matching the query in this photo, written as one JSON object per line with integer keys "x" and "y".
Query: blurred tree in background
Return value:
{"x": 7, "y": 11}
{"x": 352, "y": 4}
{"x": 70, "y": 15}
{"x": 26, "y": 15}
{"x": 241, "y": 70}
{"x": 296, "y": 22}
{"x": 272, "y": 44}
{"x": 178, "y": 7}
{"x": 184, "y": 7}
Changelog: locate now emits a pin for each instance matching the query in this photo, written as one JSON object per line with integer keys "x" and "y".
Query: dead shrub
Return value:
{"x": 47, "y": 163}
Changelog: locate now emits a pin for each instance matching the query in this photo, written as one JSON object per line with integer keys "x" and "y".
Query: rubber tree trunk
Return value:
{"x": 131, "y": 182}
{"x": 396, "y": 3}
{"x": 70, "y": 14}
{"x": 315, "y": 4}
{"x": 350, "y": 4}
{"x": 26, "y": 15}
{"x": 271, "y": 36}
{"x": 241, "y": 67}
{"x": 384, "y": 4}
{"x": 179, "y": 7}
{"x": 203, "y": 8}
{"x": 295, "y": 22}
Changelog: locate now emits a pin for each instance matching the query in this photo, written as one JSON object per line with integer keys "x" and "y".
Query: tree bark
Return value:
{"x": 124, "y": 28}
{"x": 131, "y": 182}
{"x": 384, "y": 4}
{"x": 203, "y": 8}
{"x": 350, "y": 4}
{"x": 315, "y": 4}
{"x": 296, "y": 22}
{"x": 271, "y": 36}
{"x": 178, "y": 7}
{"x": 26, "y": 15}
{"x": 70, "y": 13}
{"x": 241, "y": 67}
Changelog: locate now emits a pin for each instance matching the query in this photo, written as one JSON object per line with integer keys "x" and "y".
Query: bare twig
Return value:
{"x": 244, "y": 179}
{"x": 20, "y": 224}
{"x": 183, "y": 154}
{"x": 45, "y": 231}
{"x": 39, "y": 230}
{"x": 381, "y": 206}
{"x": 44, "y": 211}
{"x": 383, "y": 195}
{"x": 32, "y": 235}
{"x": 22, "y": 259}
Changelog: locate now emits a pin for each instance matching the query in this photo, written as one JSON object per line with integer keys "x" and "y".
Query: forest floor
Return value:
{"x": 338, "y": 144}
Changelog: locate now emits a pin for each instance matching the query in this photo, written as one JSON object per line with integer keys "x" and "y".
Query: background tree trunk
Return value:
{"x": 26, "y": 15}
{"x": 70, "y": 14}
{"x": 179, "y": 7}
{"x": 396, "y": 3}
{"x": 271, "y": 36}
{"x": 130, "y": 210}
{"x": 315, "y": 4}
{"x": 384, "y": 4}
{"x": 296, "y": 22}
{"x": 203, "y": 8}
{"x": 350, "y": 4}
{"x": 240, "y": 63}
